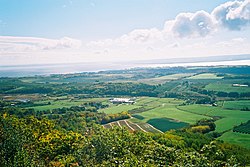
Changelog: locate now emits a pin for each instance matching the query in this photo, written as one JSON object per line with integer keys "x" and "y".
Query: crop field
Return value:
{"x": 165, "y": 124}
{"x": 161, "y": 113}
{"x": 226, "y": 87}
{"x": 205, "y": 76}
{"x": 236, "y": 138}
{"x": 113, "y": 109}
{"x": 62, "y": 102}
{"x": 163, "y": 79}
{"x": 170, "y": 111}
{"x": 239, "y": 104}
{"x": 229, "y": 118}
{"x": 144, "y": 127}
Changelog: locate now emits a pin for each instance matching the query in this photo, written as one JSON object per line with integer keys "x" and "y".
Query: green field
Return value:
{"x": 226, "y": 87}
{"x": 236, "y": 138}
{"x": 170, "y": 111}
{"x": 238, "y": 105}
{"x": 205, "y": 76}
{"x": 165, "y": 124}
{"x": 163, "y": 79}
{"x": 229, "y": 118}
{"x": 161, "y": 113}
{"x": 62, "y": 102}
{"x": 113, "y": 109}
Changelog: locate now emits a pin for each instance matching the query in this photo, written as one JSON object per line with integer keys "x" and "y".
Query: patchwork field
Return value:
{"x": 161, "y": 113}
{"x": 113, "y": 109}
{"x": 226, "y": 87}
{"x": 133, "y": 126}
{"x": 163, "y": 79}
{"x": 229, "y": 118}
{"x": 165, "y": 114}
{"x": 205, "y": 76}
{"x": 238, "y": 105}
{"x": 61, "y": 102}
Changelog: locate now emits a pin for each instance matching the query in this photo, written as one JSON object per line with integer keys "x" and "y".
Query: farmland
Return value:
{"x": 185, "y": 109}
{"x": 229, "y": 118}
{"x": 118, "y": 108}
{"x": 159, "y": 112}
{"x": 163, "y": 79}
{"x": 205, "y": 76}
{"x": 236, "y": 138}
{"x": 238, "y": 105}
{"x": 55, "y": 103}
{"x": 226, "y": 87}
{"x": 144, "y": 127}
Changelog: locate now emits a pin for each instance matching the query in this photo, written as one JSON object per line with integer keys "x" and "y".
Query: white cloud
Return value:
{"x": 31, "y": 44}
{"x": 187, "y": 35}
{"x": 197, "y": 24}
{"x": 233, "y": 15}
{"x": 142, "y": 36}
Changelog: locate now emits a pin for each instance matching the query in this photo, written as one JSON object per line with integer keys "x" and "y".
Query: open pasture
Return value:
{"x": 170, "y": 111}
{"x": 60, "y": 103}
{"x": 229, "y": 118}
{"x": 236, "y": 138}
{"x": 163, "y": 79}
{"x": 113, "y": 109}
{"x": 205, "y": 76}
{"x": 226, "y": 87}
{"x": 165, "y": 124}
{"x": 238, "y": 105}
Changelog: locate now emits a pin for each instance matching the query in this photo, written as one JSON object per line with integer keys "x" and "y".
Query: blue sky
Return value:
{"x": 92, "y": 30}
{"x": 88, "y": 19}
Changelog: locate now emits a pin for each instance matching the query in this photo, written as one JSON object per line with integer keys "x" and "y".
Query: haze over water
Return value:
{"x": 47, "y": 69}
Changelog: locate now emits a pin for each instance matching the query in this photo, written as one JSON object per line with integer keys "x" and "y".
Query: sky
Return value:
{"x": 73, "y": 31}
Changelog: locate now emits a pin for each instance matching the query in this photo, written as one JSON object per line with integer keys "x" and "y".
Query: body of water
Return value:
{"x": 47, "y": 69}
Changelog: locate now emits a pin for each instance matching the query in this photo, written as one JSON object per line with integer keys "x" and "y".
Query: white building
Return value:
{"x": 122, "y": 100}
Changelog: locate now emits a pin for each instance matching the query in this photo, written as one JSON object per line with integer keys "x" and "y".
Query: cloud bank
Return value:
{"x": 31, "y": 44}
{"x": 233, "y": 15}
{"x": 200, "y": 33}
{"x": 198, "y": 24}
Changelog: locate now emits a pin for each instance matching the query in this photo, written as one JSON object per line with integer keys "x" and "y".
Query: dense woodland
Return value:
{"x": 31, "y": 141}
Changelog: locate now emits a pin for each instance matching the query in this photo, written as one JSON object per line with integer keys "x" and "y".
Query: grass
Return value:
{"x": 205, "y": 76}
{"x": 165, "y": 124}
{"x": 146, "y": 102}
{"x": 161, "y": 113}
{"x": 170, "y": 111}
{"x": 113, "y": 109}
{"x": 226, "y": 87}
{"x": 163, "y": 79}
{"x": 230, "y": 118}
{"x": 236, "y": 138}
{"x": 54, "y": 104}
{"x": 238, "y": 105}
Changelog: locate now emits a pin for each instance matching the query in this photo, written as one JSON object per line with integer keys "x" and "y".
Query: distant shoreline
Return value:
{"x": 48, "y": 69}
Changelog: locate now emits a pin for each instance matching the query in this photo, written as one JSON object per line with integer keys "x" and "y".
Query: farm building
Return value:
{"x": 239, "y": 85}
{"x": 122, "y": 100}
